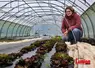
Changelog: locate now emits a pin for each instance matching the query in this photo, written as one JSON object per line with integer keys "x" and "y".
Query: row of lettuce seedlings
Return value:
{"x": 36, "y": 61}
{"x": 61, "y": 59}
{"x": 7, "y": 59}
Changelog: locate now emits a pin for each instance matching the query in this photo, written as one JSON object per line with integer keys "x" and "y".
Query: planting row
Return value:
{"x": 36, "y": 61}
{"x": 7, "y": 59}
{"x": 61, "y": 59}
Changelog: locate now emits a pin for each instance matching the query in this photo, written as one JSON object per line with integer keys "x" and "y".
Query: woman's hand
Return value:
{"x": 66, "y": 33}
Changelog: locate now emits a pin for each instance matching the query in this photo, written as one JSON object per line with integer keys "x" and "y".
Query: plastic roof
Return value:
{"x": 31, "y": 12}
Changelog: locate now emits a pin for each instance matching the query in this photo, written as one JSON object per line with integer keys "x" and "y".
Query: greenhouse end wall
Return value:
{"x": 88, "y": 22}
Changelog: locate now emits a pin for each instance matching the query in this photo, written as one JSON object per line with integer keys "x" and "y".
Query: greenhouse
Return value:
{"x": 31, "y": 34}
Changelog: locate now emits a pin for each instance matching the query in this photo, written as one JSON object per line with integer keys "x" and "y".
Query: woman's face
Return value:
{"x": 68, "y": 12}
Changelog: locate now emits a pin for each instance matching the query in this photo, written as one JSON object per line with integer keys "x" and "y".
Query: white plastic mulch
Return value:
{"x": 85, "y": 52}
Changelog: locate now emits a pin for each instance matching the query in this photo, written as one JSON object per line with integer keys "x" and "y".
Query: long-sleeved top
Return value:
{"x": 74, "y": 21}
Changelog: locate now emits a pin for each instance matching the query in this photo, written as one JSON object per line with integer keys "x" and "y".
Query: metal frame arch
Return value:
{"x": 17, "y": 32}
{"x": 15, "y": 13}
{"x": 86, "y": 26}
{"x": 31, "y": 7}
{"x": 83, "y": 30}
{"x": 16, "y": 0}
{"x": 8, "y": 26}
{"x": 67, "y": 5}
{"x": 8, "y": 3}
{"x": 21, "y": 31}
{"x": 43, "y": 2}
{"x": 32, "y": 27}
{"x": 51, "y": 10}
{"x": 12, "y": 32}
{"x": 91, "y": 8}
{"x": 28, "y": 7}
{"x": 18, "y": 27}
{"x": 91, "y": 24}
{"x": 55, "y": 0}
{"x": 23, "y": 28}
{"x": 18, "y": 12}
{"x": 27, "y": 30}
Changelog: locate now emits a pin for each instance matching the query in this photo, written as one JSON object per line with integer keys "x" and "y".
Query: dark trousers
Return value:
{"x": 73, "y": 35}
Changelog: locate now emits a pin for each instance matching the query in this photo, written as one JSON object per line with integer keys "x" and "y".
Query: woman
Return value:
{"x": 71, "y": 26}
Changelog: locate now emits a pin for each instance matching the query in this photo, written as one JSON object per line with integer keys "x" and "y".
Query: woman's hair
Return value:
{"x": 71, "y": 8}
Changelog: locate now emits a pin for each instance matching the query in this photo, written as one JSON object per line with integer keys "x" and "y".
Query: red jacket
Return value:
{"x": 74, "y": 21}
